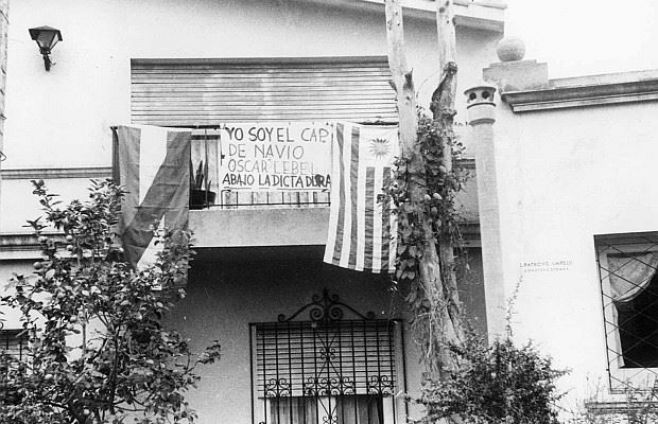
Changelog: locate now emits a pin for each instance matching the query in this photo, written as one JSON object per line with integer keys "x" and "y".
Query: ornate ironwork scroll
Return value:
{"x": 326, "y": 308}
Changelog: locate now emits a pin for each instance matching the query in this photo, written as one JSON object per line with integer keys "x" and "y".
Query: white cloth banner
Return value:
{"x": 272, "y": 156}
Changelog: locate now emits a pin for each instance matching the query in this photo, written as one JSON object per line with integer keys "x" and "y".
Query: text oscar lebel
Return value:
{"x": 276, "y": 156}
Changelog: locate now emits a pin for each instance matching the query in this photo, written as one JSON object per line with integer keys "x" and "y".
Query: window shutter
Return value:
{"x": 191, "y": 92}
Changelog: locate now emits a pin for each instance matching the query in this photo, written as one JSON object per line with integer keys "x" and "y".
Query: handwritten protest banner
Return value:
{"x": 272, "y": 156}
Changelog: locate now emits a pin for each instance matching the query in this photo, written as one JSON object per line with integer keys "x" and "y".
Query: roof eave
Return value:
{"x": 594, "y": 90}
{"x": 477, "y": 14}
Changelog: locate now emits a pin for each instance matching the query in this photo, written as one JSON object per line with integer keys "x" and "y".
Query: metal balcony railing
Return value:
{"x": 206, "y": 158}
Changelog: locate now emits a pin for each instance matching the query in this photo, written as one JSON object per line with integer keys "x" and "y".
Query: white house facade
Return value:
{"x": 562, "y": 216}
{"x": 569, "y": 174}
{"x": 202, "y": 63}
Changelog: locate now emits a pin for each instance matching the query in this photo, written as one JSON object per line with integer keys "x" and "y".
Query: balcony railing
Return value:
{"x": 233, "y": 199}
{"x": 207, "y": 155}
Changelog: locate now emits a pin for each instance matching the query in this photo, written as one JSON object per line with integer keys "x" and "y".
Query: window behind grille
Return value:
{"x": 309, "y": 372}
{"x": 629, "y": 287}
{"x": 11, "y": 343}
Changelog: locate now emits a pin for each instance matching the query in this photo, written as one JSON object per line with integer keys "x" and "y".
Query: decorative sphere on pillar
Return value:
{"x": 510, "y": 49}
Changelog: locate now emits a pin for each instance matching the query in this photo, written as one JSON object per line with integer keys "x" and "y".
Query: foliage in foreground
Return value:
{"x": 96, "y": 348}
{"x": 494, "y": 383}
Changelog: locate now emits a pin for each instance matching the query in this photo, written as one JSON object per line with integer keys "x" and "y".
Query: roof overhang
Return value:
{"x": 593, "y": 90}
{"x": 485, "y": 15}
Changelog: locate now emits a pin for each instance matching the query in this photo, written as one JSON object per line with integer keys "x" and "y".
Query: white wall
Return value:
{"x": 18, "y": 204}
{"x": 11, "y": 318}
{"x": 563, "y": 177}
{"x": 61, "y": 118}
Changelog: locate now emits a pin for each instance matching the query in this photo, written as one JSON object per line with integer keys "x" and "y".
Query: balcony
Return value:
{"x": 239, "y": 217}
{"x": 221, "y": 167}
{"x": 234, "y": 219}
{"x": 244, "y": 209}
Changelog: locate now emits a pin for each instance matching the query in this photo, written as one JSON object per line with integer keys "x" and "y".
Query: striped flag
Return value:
{"x": 152, "y": 165}
{"x": 362, "y": 228}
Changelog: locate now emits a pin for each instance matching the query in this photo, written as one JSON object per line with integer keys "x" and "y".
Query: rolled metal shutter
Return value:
{"x": 181, "y": 92}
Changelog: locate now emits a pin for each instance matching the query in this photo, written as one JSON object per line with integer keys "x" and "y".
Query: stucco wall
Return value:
{"x": 18, "y": 204}
{"x": 11, "y": 317}
{"x": 564, "y": 176}
{"x": 227, "y": 292}
{"x": 225, "y": 297}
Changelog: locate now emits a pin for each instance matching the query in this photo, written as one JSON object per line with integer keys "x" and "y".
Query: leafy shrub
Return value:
{"x": 494, "y": 383}
{"x": 96, "y": 349}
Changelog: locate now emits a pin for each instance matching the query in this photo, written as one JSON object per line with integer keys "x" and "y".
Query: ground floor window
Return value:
{"x": 12, "y": 348}
{"x": 629, "y": 286}
{"x": 327, "y": 369}
{"x": 12, "y": 343}
{"x": 342, "y": 409}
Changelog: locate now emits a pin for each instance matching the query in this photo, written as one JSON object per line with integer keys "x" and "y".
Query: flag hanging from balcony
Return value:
{"x": 152, "y": 165}
{"x": 362, "y": 228}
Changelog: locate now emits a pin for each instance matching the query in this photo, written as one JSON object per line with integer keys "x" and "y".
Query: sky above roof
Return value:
{"x": 583, "y": 37}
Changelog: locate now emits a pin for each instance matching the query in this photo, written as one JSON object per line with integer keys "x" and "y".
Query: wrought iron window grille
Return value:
{"x": 12, "y": 343}
{"x": 629, "y": 292}
{"x": 327, "y": 363}
{"x": 12, "y": 349}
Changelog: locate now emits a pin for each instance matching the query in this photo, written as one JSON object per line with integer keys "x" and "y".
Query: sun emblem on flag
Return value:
{"x": 379, "y": 147}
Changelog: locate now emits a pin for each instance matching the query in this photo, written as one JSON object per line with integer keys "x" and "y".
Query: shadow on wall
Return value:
{"x": 228, "y": 291}
{"x": 257, "y": 284}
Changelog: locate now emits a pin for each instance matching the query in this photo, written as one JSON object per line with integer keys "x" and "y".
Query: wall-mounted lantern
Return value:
{"x": 46, "y": 38}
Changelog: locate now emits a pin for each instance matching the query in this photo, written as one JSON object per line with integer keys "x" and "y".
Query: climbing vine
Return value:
{"x": 424, "y": 221}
